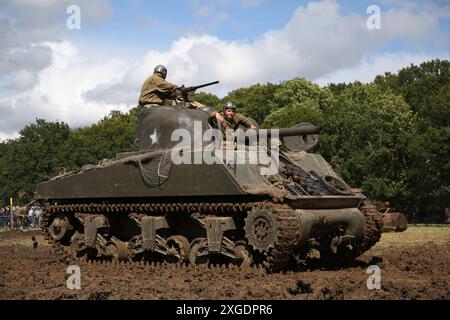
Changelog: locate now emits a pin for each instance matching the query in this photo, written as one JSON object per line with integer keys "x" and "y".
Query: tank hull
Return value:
{"x": 124, "y": 180}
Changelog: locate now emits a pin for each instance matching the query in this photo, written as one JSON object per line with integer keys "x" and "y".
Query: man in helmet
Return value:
{"x": 156, "y": 89}
{"x": 229, "y": 119}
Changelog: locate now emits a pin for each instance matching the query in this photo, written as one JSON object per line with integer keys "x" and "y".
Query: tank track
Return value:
{"x": 220, "y": 208}
{"x": 288, "y": 235}
{"x": 274, "y": 260}
{"x": 374, "y": 226}
{"x": 124, "y": 208}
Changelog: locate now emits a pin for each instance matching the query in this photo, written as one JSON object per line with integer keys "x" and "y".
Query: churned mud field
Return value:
{"x": 414, "y": 265}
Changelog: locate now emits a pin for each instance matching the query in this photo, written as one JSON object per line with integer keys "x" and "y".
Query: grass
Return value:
{"x": 415, "y": 236}
{"x": 24, "y": 239}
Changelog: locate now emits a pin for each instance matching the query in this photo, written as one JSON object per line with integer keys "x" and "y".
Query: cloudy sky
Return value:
{"x": 51, "y": 69}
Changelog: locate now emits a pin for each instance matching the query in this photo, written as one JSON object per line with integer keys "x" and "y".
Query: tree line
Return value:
{"x": 390, "y": 137}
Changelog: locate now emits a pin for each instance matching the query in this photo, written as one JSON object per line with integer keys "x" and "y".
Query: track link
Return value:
{"x": 288, "y": 234}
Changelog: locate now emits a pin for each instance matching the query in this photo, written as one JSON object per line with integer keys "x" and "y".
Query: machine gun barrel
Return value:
{"x": 193, "y": 88}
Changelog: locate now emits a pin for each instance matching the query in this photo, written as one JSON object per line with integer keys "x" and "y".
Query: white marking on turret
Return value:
{"x": 153, "y": 137}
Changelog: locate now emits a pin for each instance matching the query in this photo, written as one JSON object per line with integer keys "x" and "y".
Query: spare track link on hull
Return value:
{"x": 276, "y": 258}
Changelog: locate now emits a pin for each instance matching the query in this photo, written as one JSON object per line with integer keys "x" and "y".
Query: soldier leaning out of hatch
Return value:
{"x": 156, "y": 89}
{"x": 228, "y": 119}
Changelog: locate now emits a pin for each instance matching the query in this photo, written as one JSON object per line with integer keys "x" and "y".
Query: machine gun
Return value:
{"x": 188, "y": 93}
{"x": 186, "y": 90}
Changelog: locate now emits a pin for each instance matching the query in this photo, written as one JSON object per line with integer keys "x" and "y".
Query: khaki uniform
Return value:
{"x": 156, "y": 89}
{"x": 232, "y": 123}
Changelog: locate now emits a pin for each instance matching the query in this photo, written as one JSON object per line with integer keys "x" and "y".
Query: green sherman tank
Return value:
{"x": 148, "y": 205}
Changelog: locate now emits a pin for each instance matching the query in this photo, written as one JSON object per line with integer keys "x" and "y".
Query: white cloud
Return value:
{"x": 367, "y": 69}
{"x": 26, "y": 23}
{"x": 59, "y": 92}
{"x": 34, "y": 83}
{"x": 316, "y": 42}
{"x": 400, "y": 23}
{"x": 23, "y": 79}
{"x": 31, "y": 57}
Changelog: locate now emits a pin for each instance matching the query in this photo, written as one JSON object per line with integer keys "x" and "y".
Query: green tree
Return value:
{"x": 428, "y": 174}
{"x": 368, "y": 138}
{"x": 297, "y": 101}
{"x": 111, "y": 135}
{"x": 208, "y": 99}
{"x": 38, "y": 153}
{"x": 426, "y": 88}
{"x": 255, "y": 101}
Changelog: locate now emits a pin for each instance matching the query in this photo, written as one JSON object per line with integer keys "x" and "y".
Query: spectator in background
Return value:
{"x": 31, "y": 217}
{"x": 38, "y": 213}
{"x": 14, "y": 215}
{"x": 5, "y": 217}
{"x": 2, "y": 218}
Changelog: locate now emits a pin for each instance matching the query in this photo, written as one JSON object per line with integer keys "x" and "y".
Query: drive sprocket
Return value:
{"x": 261, "y": 228}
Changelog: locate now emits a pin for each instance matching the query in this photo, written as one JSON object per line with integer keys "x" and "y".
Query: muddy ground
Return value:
{"x": 414, "y": 265}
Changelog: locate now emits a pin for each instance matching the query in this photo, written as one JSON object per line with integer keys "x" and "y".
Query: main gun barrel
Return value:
{"x": 288, "y": 132}
{"x": 277, "y": 133}
{"x": 300, "y": 131}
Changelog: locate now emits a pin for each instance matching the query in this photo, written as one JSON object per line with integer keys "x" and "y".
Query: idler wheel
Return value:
{"x": 60, "y": 228}
{"x": 261, "y": 228}
{"x": 178, "y": 249}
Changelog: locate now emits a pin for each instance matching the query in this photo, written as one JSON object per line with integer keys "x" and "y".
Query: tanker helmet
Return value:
{"x": 161, "y": 70}
{"x": 229, "y": 105}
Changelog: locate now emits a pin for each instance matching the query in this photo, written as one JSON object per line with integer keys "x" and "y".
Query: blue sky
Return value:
{"x": 78, "y": 76}
{"x": 142, "y": 25}
{"x": 161, "y": 22}
{"x": 138, "y": 25}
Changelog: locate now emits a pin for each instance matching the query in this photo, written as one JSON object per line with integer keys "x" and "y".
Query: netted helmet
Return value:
{"x": 161, "y": 70}
{"x": 229, "y": 105}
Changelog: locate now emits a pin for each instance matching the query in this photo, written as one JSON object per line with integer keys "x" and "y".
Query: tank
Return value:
{"x": 185, "y": 197}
